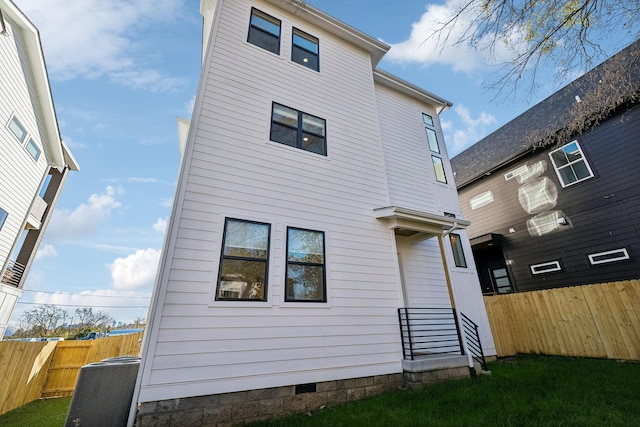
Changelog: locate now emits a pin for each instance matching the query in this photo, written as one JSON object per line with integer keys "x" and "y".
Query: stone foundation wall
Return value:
{"x": 231, "y": 409}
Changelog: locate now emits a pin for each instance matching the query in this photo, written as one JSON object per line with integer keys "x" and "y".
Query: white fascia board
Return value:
{"x": 400, "y": 213}
{"x": 403, "y": 86}
{"x": 35, "y": 56}
{"x": 376, "y": 48}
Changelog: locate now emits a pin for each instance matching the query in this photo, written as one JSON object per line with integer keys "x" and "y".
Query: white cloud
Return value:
{"x": 472, "y": 131}
{"x": 136, "y": 270}
{"x": 87, "y": 217}
{"x": 160, "y": 226}
{"x": 428, "y": 49}
{"x": 91, "y": 38}
{"x": 46, "y": 251}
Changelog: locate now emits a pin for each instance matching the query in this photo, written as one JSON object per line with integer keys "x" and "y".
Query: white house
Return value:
{"x": 34, "y": 162}
{"x": 314, "y": 200}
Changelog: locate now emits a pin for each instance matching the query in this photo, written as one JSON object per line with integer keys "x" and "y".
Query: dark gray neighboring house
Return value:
{"x": 554, "y": 195}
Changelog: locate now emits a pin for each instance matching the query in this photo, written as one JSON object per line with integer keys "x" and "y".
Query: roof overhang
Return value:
{"x": 409, "y": 89}
{"x": 486, "y": 240}
{"x": 410, "y": 222}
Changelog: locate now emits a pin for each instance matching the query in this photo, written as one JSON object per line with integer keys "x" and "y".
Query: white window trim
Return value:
{"x": 582, "y": 159}
{"x": 481, "y": 200}
{"x": 555, "y": 267}
{"x": 516, "y": 172}
{"x": 623, "y": 255}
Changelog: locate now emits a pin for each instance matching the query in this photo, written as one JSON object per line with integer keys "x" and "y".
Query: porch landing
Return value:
{"x": 434, "y": 368}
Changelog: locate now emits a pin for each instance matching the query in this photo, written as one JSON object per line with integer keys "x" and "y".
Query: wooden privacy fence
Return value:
{"x": 600, "y": 320}
{"x": 33, "y": 370}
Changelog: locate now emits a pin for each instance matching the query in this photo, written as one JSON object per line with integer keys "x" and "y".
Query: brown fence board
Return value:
{"x": 600, "y": 320}
{"x": 23, "y": 369}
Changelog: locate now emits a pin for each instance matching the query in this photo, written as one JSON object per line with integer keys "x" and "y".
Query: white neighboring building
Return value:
{"x": 34, "y": 161}
{"x": 315, "y": 199}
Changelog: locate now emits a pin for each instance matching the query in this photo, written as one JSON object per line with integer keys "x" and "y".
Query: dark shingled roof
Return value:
{"x": 545, "y": 118}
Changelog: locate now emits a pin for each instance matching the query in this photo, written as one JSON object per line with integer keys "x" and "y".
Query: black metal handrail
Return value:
{"x": 13, "y": 274}
{"x": 429, "y": 331}
{"x": 472, "y": 338}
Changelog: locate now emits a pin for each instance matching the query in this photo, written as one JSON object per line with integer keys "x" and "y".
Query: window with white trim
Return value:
{"x": 305, "y": 279}
{"x": 608, "y": 256}
{"x": 305, "y": 50}
{"x": 33, "y": 149}
{"x": 264, "y": 31}
{"x": 545, "y": 267}
{"x": 244, "y": 261}
{"x": 570, "y": 164}
{"x": 298, "y": 129}
{"x": 17, "y": 129}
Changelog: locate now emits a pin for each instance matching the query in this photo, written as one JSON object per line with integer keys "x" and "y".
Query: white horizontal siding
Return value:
{"x": 20, "y": 175}
{"x": 235, "y": 171}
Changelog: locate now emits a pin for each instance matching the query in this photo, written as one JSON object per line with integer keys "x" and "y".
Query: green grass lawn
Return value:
{"x": 521, "y": 391}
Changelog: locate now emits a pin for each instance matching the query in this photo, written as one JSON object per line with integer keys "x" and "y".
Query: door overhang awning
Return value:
{"x": 410, "y": 222}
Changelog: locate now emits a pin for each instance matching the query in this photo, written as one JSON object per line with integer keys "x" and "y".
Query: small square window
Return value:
{"x": 438, "y": 166}
{"x": 305, "y": 276}
{"x": 33, "y": 149}
{"x": 427, "y": 119}
{"x": 297, "y": 129}
{"x": 244, "y": 261}
{"x": 3, "y": 217}
{"x": 264, "y": 31}
{"x": 570, "y": 164}
{"x": 458, "y": 252}
{"x": 305, "y": 50}
{"x": 17, "y": 129}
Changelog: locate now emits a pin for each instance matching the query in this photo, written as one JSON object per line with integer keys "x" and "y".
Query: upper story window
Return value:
{"x": 17, "y": 129}
{"x": 438, "y": 166}
{"x": 3, "y": 217}
{"x": 458, "y": 252}
{"x": 264, "y": 31}
{"x": 244, "y": 261}
{"x": 297, "y": 129}
{"x": 570, "y": 164}
{"x": 305, "y": 276}
{"x": 432, "y": 138}
{"x": 33, "y": 149}
{"x": 427, "y": 119}
{"x": 305, "y": 50}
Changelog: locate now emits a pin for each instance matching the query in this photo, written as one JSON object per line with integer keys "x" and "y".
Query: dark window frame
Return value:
{"x": 459, "y": 258}
{"x": 257, "y": 34}
{"x": 323, "y": 265}
{"x": 224, "y": 257}
{"x": 299, "y": 130}
{"x": 312, "y": 63}
{"x": 434, "y": 160}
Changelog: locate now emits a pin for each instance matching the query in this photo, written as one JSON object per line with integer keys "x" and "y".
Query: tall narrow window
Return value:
{"x": 298, "y": 129}
{"x": 433, "y": 140}
{"x": 264, "y": 31}
{"x": 305, "y": 50}
{"x": 458, "y": 252}
{"x": 17, "y": 129}
{"x": 244, "y": 261}
{"x": 305, "y": 277}
{"x": 3, "y": 217}
{"x": 438, "y": 166}
{"x": 570, "y": 164}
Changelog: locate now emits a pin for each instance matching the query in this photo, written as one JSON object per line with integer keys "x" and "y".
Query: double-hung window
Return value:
{"x": 570, "y": 164}
{"x": 305, "y": 50}
{"x": 244, "y": 261}
{"x": 264, "y": 31}
{"x": 305, "y": 275}
{"x": 297, "y": 129}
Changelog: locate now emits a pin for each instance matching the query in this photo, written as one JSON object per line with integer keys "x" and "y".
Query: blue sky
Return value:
{"x": 122, "y": 71}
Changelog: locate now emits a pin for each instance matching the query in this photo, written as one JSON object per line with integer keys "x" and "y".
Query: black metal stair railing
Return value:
{"x": 429, "y": 331}
{"x": 472, "y": 338}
